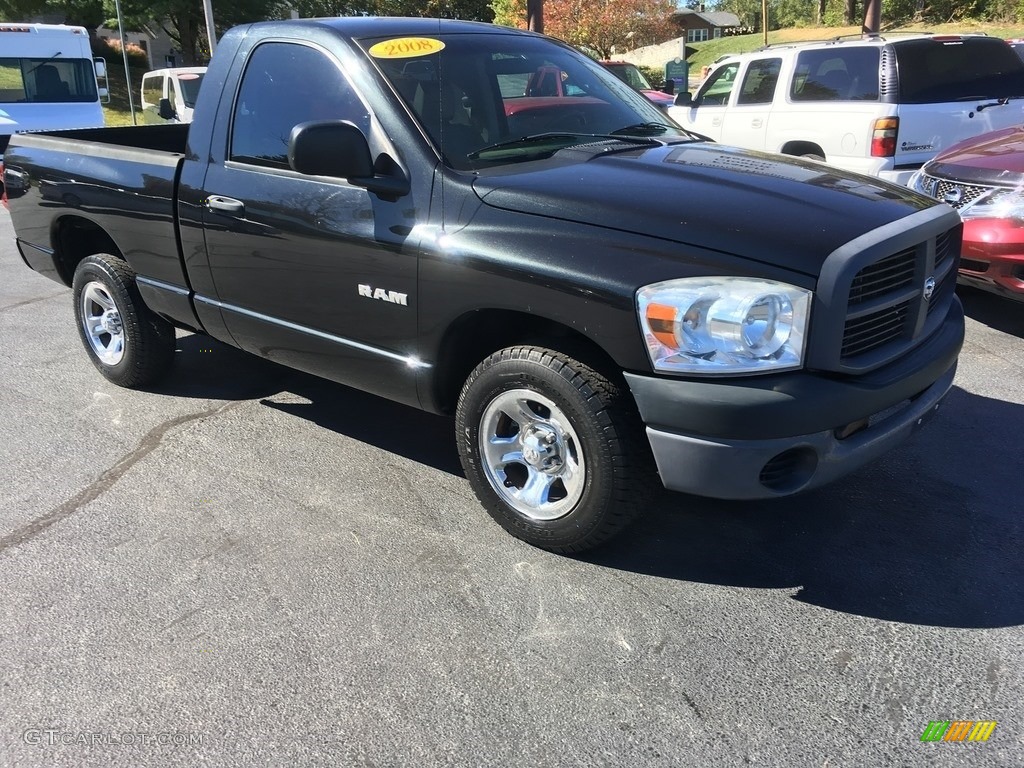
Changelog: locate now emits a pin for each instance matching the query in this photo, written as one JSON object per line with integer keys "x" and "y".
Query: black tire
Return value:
{"x": 107, "y": 299}
{"x": 595, "y": 497}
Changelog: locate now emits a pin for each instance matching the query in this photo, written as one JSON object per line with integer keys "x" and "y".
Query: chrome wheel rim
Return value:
{"x": 531, "y": 455}
{"x": 101, "y": 322}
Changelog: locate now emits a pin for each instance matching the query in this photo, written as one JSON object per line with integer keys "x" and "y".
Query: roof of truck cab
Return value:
{"x": 369, "y": 26}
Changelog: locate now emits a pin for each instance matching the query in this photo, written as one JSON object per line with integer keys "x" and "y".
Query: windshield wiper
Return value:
{"x": 569, "y": 138}
{"x": 642, "y": 129}
{"x": 647, "y": 129}
{"x": 41, "y": 63}
{"x": 997, "y": 103}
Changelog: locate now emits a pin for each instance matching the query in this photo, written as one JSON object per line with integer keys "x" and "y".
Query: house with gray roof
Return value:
{"x": 700, "y": 25}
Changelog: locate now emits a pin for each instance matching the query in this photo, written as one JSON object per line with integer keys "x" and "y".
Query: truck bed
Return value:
{"x": 119, "y": 180}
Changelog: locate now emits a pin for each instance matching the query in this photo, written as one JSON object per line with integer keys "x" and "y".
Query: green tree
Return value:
{"x": 509, "y": 13}
{"x": 82, "y": 13}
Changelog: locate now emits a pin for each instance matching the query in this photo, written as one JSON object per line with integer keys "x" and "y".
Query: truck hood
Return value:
{"x": 996, "y": 157}
{"x": 782, "y": 211}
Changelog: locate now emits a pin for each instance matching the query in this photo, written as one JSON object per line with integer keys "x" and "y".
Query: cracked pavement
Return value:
{"x": 297, "y": 573}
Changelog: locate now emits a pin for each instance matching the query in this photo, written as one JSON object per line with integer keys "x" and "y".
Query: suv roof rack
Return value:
{"x": 855, "y": 36}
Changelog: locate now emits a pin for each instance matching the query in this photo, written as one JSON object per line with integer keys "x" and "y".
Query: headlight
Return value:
{"x": 724, "y": 325}
{"x": 996, "y": 204}
{"x": 916, "y": 182}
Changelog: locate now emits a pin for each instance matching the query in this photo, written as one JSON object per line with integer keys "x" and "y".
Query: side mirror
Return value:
{"x": 683, "y": 99}
{"x": 165, "y": 110}
{"x": 669, "y": 87}
{"x": 337, "y": 148}
{"x": 104, "y": 94}
{"x": 329, "y": 148}
{"x": 101, "y": 67}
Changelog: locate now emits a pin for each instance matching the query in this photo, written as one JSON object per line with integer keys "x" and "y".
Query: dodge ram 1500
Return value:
{"x": 605, "y": 302}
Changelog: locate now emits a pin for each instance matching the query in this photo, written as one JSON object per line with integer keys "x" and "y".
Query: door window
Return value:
{"x": 831, "y": 75}
{"x": 152, "y": 90}
{"x": 719, "y": 85}
{"x": 759, "y": 82}
{"x": 285, "y": 84}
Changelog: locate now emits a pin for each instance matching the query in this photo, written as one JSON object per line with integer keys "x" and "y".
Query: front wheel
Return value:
{"x": 126, "y": 341}
{"x": 554, "y": 450}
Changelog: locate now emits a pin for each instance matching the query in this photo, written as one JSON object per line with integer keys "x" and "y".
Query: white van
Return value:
{"x": 48, "y": 79}
{"x": 169, "y": 95}
{"x": 881, "y": 105}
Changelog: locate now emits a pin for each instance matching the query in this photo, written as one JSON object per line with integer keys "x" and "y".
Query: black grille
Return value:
{"x": 974, "y": 265}
{"x": 942, "y": 291}
{"x": 862, "y": 334}
{"x": 889, "y": 274}
{"x": 943, "y": 248}
{"x": 871, "y": 302}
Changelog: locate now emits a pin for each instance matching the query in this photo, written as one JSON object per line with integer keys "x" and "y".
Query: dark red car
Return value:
{"x": 633, "y": 77}
{"x": 983, "y": 178}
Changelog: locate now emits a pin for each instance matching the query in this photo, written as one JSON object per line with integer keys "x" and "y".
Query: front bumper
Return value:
{"x": 771, "y": 436}
{"x": 992, "y": 257}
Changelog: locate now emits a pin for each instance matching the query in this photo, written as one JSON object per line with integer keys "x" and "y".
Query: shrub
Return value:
{"x": 111, "y": 50}
{"x": 655, "y": 75}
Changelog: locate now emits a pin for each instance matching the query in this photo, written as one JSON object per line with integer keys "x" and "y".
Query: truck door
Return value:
{"x": 309, "y": 271}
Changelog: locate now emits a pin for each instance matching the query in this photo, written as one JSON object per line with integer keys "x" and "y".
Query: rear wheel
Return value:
{"x": 126, "y": 341}
{"x": 554, "y": 450}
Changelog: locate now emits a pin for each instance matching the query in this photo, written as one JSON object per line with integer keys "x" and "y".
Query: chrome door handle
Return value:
{"x": 226, "y": 204}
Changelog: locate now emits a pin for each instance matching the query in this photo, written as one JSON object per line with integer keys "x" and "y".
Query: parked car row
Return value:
{"x": 886, "y": 106}
{"x": 879, "y": 105}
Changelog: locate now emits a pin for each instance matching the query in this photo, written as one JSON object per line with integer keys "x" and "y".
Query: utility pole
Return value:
{"x": 211, "y": 34}
{"x": 764, "y": 21}
{"x": 872, "y": 17}
{"x": 124, "y": 55}
{"x": 535, "y": 15}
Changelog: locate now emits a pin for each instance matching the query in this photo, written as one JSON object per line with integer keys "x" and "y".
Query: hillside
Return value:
{"x": 708, "y": 51}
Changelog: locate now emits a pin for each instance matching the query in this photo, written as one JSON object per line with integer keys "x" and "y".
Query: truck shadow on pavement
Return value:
{"x": 998, "y": 312}
{"x": 208, "y": 369}
{"x": 931, "y": 534}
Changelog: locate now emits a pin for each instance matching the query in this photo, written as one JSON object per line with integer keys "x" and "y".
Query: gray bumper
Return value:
{"x": 767, "y": 468}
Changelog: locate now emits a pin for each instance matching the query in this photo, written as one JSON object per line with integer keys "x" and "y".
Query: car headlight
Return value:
{"x": 724, "y": 325}
{"x": 916, "y": 182}
{"x": 996, "y": 204}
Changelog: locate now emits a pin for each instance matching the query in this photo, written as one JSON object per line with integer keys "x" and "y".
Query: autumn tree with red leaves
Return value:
{"x": 601, "y": 25}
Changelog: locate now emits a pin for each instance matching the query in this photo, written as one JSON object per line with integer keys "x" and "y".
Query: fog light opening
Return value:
{"x": 790, "y": 470}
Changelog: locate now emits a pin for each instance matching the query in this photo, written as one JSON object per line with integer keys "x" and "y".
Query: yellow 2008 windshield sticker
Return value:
{"x": 405, "y": 47}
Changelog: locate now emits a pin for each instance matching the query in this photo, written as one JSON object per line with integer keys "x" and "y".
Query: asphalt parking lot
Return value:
{"x": 248, "y": 566}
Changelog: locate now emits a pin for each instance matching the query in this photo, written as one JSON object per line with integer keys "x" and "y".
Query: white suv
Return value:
{"x": 877, "y": 105}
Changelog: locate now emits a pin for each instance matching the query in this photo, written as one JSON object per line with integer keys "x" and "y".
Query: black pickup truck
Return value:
{"x": 480, "y": 221}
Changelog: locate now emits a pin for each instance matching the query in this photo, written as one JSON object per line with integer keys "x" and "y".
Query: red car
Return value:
{"x": 633, "y": 77}
{"x": 983, "y": 178}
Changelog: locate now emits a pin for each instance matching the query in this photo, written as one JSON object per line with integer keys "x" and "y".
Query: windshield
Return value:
{"x": 190, "y": 82}
{"x": 45, "y": 80}
{"x": 474, "y": 92}
{"x": 939, "y": 70}
{"x": 630, "y": 75}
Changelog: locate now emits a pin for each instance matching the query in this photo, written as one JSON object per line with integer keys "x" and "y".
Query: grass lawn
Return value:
{"x": 710, "y": 50}
{"x": 117, "y": 112}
